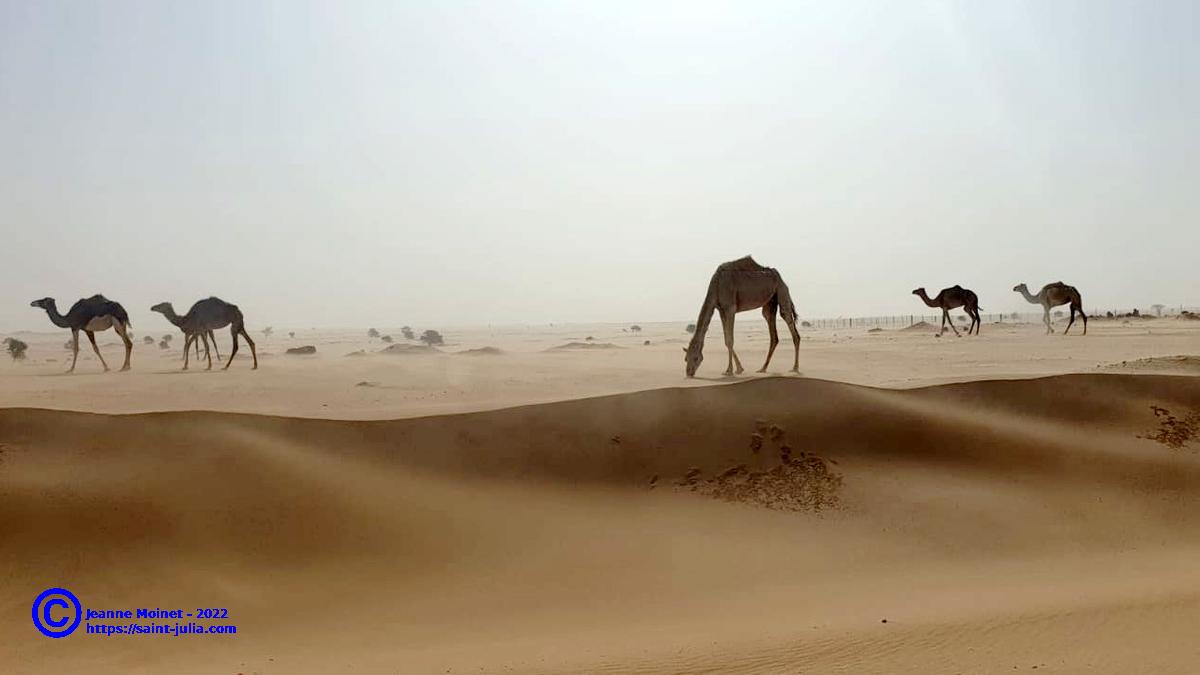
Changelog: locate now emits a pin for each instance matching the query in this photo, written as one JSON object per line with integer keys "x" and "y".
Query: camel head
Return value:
{"x": 919, "y": 291}
{"x": 44, "y": 303}
{"x": 692, "y": 359}
{"x": 163, "y": 308}
{"x": 1020, "y": 288}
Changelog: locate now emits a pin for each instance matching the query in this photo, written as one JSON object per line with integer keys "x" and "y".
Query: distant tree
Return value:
{"x": 407, "y": 332}
{"x": 1158, "y": 309}
{"x": 372, "y": 333}
{"x": 387, "y": 339}
{"x": 16, "y": 348}
{"x": 148, "y": 340}
{"x": 268, "y": 330}
{"x": 691, "y": 328}
{"x": 1135, "y": 312}
{"x": 292, "y": 334}
{"x": 1109, "y": 314}
{"x": 165, "y": 344}
{"x": 167, "y": 338}
{"x": 635, "y": 328}
{"x": 432, "y": 337}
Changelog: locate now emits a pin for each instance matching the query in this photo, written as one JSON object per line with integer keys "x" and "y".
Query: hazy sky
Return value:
{"x": 450, "y": 163}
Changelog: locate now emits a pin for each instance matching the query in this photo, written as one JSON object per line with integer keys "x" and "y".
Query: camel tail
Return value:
{"x": 118, "y": 311}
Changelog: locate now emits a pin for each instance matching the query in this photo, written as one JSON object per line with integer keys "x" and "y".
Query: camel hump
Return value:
{"x": 957, "y": 287}
{"x": 743, "y": 264}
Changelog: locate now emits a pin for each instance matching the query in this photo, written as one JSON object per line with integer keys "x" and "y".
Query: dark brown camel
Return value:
{"x": 738, "y": 286}
{"x": 952, "y": 298}
{"x": 90, "y": 315}
{"x": 204, "y": 317}
{"x": 1054, "y": 295}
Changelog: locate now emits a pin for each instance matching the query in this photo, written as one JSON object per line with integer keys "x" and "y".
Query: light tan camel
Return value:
{"x": 1053, "y": 295}
{"x": 952, "y": 298}
{"x": 90, "y": 315}
{"x": 204, "y": 317}
{"x": 738, "y": 286}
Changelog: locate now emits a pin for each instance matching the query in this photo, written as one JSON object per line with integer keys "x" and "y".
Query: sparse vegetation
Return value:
{"x": 268, "y": 330}
{"x": 635, "y": 328}
{"x": 407, "y": 332}
{"x": 1173, "y": 432}
{"x": 292, "y": 334}
{"x": 387, "y": 339}
{"x": 1058, "y": 314}
{"x": 148, "y": 340}
{"x": 691, "y": 328}
{"x": 1158, "y": 309}
{"x": 805, "y": 324}
{"x": 372, "y": 333}
{"x": 432, "y": 337}
{"x": 167, "y": 338}
{"x": 16, "y": 348}
{"x": 165, "y": 344}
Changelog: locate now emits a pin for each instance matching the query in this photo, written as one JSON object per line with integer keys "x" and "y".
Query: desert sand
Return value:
{"x": 522, "y": 500}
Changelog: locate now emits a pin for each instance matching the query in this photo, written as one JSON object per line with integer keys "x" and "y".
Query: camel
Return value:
{"x": 90, "y": 315}
{"x": 204, "y": 317}
{"x": 952, "y": 298}
{"x": 1053, "y": 295}
{"x": 738, "y": 286}
{"x": 167, "y": 310}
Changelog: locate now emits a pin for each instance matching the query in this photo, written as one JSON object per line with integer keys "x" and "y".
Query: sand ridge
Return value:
{"x": 526, "y": 539}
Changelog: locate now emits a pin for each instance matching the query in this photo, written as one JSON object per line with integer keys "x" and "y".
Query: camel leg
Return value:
{"x": 212, "y": 336}
{"x": 1071, "y": 322}
{"x": 124, "y": 333}
{"x": 946, "y": 319}
{"x": 1046, "y": 319}
{"x": 1084, "y": 319}
{"x": 727, "y": 325}
{"x": 253, "y": 351}
{"x": 75, "y": 348}
{"x": 187, "y": 348}
{"x": 790, "y": 320}
{"x": 92, "y": 339}
{"x": 976, "y": 322}
{"x": 207, "y": 354}
{"x": 769, "y": 310}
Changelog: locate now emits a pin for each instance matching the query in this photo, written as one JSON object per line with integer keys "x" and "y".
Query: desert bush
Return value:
{"x": 165, "y": 344}
{"x": 16, "y": 348}
{"x": 691, "y": 328}
{"x": 268, "y": 330}
{"x": 1058, "y": 314}
{"x": 432, "y": 337}
{"x": 148, "y": 340}
{"x": 407, "y": 332}
{"x": 635, "y": 328}
{"x": 167, "y": 338}
{"x": 387, "y": 339}
{"x": 805, "y": 324}
{"x": 372, "y": 333}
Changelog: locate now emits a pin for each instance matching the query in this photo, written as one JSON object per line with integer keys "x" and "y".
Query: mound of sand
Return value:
{"x": 920, "y": 326}
{"x": 307, "y": 349}
{"x": 585, "y": 345}
{"x": 482, "y": 351}
{"x": 990, "y": 523}
{"x": 409, "y": 349}
{"x": 1182, "y": 364}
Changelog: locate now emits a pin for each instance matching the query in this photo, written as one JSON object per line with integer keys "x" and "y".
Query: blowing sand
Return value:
{"x": 927, "y": 512}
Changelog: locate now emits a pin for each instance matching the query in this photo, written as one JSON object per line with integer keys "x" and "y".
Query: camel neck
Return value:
{"x": 1033, "y": 299}
{"x": 56, "y": 318}
{"x": 926, "y": 299}
{"x": 705, "y": 318}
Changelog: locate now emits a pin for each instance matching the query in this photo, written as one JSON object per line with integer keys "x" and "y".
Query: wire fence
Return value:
{"x": 960, "y": 317}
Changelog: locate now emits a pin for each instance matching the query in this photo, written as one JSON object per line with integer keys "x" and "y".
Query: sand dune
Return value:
{"x": 994, "y": 525}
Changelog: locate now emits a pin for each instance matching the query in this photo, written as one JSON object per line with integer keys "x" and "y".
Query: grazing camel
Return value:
{"x": 90, "y": 315}
{"x": 952, "y": 298}
{"x": 204, "y": 317}
{"x": 1053, "y": 295}
{"x": 737, "y": 286}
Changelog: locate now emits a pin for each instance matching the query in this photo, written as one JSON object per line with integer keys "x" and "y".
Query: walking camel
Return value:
{"x": 738, "y": 286}
{"x": 167, "y": 310}
{"x": 204, "y": 317}
{"x": 90, "y": 315}
{"x": 1053, "y": 295}
{"x": 952, "y": 298}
